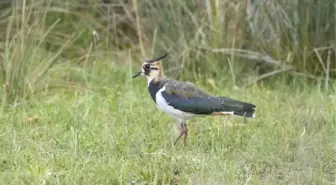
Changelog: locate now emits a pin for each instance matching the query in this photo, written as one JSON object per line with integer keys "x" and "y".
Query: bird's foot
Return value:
{"x": 184, "y": 132}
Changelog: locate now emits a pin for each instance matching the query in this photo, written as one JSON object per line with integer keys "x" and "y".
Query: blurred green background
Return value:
{"x": 233, "y": 41}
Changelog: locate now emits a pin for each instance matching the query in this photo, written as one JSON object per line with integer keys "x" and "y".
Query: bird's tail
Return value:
{"x": 247, "y": 109}
{"x": 245, "y": 113}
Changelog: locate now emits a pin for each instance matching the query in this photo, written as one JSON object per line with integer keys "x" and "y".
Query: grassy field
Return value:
{"x": 71, "y": 114}
{"x": 108, "y": 131}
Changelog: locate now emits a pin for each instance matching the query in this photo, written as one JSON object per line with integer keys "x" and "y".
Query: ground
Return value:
{"x": 112, "y": 133}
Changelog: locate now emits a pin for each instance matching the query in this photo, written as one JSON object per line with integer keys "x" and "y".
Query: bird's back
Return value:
{"x": 187, "y": 97}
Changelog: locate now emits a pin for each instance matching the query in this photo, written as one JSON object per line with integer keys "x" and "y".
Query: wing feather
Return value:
{"x": 184, "y": 90}
{"x": 187, "y": 97}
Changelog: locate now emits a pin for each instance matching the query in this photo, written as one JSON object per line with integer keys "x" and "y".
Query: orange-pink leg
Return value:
{"x": 184, "y": 131}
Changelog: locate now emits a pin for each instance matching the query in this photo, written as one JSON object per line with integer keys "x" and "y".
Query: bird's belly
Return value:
{"x": 177, "y": 114}
{"x": 164, "y": 106}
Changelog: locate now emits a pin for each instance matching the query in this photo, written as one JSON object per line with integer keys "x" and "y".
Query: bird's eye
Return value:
{"x": 147, "y": 67}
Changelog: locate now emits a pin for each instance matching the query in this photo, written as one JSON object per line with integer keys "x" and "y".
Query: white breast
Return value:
{"x": 164, "y": 106}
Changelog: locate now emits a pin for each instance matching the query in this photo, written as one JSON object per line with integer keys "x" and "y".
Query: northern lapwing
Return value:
{"x": 183, "y": 100}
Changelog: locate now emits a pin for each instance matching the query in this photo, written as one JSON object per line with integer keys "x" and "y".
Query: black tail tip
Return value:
{"x": 248, "y": 114}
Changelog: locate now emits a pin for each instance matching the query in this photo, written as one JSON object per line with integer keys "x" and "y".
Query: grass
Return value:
{"x": 111, "y": 133}
{"x": 70, "y": 113}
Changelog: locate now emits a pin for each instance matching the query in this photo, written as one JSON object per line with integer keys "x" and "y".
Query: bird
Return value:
{"x": 184, "y": 101}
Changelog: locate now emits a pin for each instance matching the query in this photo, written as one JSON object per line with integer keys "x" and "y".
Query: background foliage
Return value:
{"x": 250, "y": 40}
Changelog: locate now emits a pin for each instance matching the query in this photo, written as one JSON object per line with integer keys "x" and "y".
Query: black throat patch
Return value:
{"x": 153, "y": 88}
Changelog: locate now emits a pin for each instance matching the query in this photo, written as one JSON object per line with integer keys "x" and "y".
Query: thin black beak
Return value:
{"x": 137, "y": 74}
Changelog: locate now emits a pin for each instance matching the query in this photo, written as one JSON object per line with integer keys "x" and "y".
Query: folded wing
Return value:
{"x": 188, "y": 98}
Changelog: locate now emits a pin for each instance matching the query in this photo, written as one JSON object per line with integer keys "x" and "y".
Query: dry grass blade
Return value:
{"x": 51, "y": 61}
{"x": 251, "y": 55}
{"x": 267, "y": 75}
{"x": 327, "y": 70}
{"x": 320, "y": 60}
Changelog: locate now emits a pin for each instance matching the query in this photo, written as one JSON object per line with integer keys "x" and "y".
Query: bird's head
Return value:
{"x": 152, "y": 69}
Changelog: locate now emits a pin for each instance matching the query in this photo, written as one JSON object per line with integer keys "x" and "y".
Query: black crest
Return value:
{"x": 157, "y": 59}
